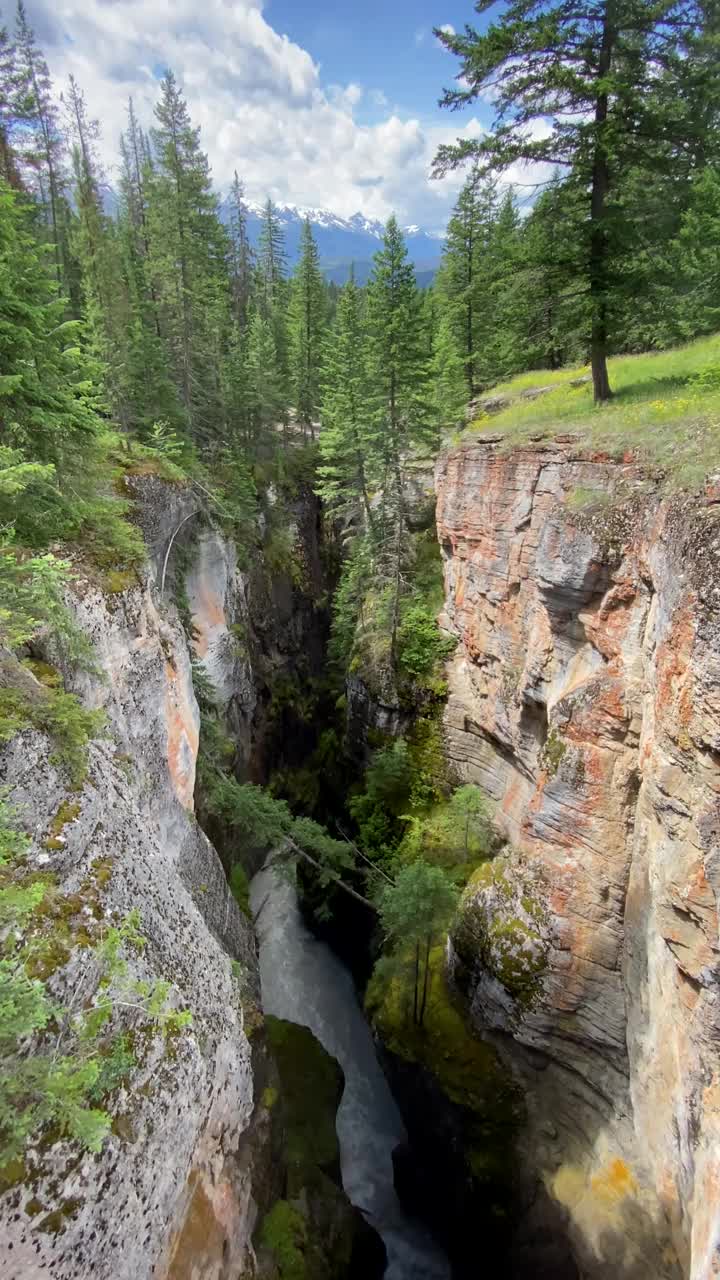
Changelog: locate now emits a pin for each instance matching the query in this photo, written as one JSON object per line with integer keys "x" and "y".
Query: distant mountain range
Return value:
{"x": 346, "y": 242}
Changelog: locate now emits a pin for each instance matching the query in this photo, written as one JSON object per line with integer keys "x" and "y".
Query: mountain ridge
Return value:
{"x": 344, "y": 242}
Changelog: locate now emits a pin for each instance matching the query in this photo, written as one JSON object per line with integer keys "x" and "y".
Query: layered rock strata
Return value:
{"x": 585, "y": 698}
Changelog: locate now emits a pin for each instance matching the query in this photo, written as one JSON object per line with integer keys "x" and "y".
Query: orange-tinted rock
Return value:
{"x": 585, "y": 698}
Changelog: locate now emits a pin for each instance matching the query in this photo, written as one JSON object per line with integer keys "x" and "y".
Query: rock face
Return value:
{"x": 585, "y": 698}
{"x": 171, "y": 1165}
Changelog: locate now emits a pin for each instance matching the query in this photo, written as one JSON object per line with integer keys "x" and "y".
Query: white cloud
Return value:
{"x": 258, "y": 97}
{"x": 420, "y": 35}
{"x": 448, "y": 28}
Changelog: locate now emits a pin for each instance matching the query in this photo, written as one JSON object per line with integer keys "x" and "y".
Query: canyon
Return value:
{"x": 584, "y": 698}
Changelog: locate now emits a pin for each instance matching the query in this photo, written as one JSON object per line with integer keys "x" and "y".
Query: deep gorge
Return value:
{"x": 580, "y": 696}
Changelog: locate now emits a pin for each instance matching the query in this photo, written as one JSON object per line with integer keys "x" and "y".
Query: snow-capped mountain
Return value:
{"x": 345, "y": 241}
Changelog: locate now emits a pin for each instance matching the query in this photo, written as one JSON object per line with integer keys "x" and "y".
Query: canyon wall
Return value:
{"x": 193, "y": 1159}
{"x": 584, "y": 697}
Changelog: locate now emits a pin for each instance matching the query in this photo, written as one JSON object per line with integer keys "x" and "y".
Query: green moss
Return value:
{"x": 310, "y": 1088}
{"x": 46, "y": 674}
{"x": 240, "y": 889}
{"x": 115, "y": 581}
{"x": 553, "y": 752}
{"x": 284, "y": 1232}
{"x": 583, "y": 499}
{"x": 12, "y": 1173}
{"x": 58, "y": 714}
{"x": 55, "y": 1223}
{"x": 68, "y": 812}
{"x": 466, "y": 1068}
{"x": 500, "y": 925}
{"x": 269, "y": 1097}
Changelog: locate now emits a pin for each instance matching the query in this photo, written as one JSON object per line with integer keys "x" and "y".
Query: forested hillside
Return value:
{"x": 157, "y": 341}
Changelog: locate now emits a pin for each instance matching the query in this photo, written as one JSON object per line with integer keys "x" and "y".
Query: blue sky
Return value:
{"x": 380, "y": 43}
{"x": 318, "y": 103}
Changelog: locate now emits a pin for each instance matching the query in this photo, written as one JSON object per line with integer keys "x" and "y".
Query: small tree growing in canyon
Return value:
{"x": 414, "y": 912}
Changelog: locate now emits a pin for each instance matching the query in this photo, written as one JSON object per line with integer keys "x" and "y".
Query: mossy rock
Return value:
{"x": 311, "y": 1085}
{"x": 312, "y": 1232}
{"x": 466, "y": 1068}
{"x": 471, "y": 1107}
{"x": 502, "y": 931}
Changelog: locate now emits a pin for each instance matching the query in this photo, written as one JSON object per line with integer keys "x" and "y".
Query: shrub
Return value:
{"x": 58, "y": 714}
{"x": 421, "y": 645}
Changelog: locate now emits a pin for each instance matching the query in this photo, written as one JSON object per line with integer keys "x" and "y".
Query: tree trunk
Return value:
{"x": 417, "y": 983}
{"x": 598, "y": 232}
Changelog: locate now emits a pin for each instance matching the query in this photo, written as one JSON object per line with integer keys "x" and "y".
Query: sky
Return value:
{"x": 320, "y": 103}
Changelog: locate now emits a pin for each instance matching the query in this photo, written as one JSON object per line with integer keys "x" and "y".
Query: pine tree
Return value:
{"x": 307, "y": 323}
{"x": 398, "y": 376}
{"x": 9, "y": 171}
{"x": 272, "y": 260}
{"x": 457, "y": 283}
{"x": 345, "y": 438}
{"x": 95, "y": 244}
{"x": 550, "y": 301}
{"x": 264, "y": 389}
{"x": 607, "y": 76}
{"x": 48, "y": 392}
{"x": 272, "y": 291}
{"x": 448, "y": 371}
{"x": 241, "y": 255}
{"x": 188, "y": 261}
{"x": 149, "y": 391}
{"x": 45, "y": 147}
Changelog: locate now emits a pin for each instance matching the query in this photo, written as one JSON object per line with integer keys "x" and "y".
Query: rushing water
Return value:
{"x": 303, "y": 981}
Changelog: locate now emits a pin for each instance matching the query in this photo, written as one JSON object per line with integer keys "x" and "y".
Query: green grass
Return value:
{"x": 665, "y": 406}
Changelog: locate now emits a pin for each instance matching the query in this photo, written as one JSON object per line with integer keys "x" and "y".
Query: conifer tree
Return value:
{"x": 273, "y": 298}
{"x": 401, "y": 419}
{"x": 272, "y": 259}
{"x": 95, "y": 245}
{"x": 346, "y": 437}
{"x": 307, "y": 323}
{"x": 457, "y": 283}
{"x": 187, "y": 260}
{"x": 604, "y": 78}
{"x": 241, "y": 255}
{"x": 9, "y": 171}
{"x": 448, "y": 372}
{"x": 264, "y": 388}
{"x": 45, "y": 145}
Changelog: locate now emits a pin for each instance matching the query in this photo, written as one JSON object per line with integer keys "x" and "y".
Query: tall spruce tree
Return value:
{"x": 272, "y": 298}
{"x": 399, "y": 386}
{"x": 45, "y": 143}
{"x": 603, "y": 80}
{"x": 307, "y": 324}
{"x": 187, "y": 264}
{"x": 9, "y": 168}
{"x": 241, "y": 254}
{"x": 346, "y": 439}
{"x": 95, "y": 246}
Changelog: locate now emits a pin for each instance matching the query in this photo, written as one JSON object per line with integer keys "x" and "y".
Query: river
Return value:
{"x": 304, "y": 981}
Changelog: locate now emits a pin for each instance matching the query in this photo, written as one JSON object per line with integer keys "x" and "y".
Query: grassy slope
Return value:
{"x": 665, "y": 405}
